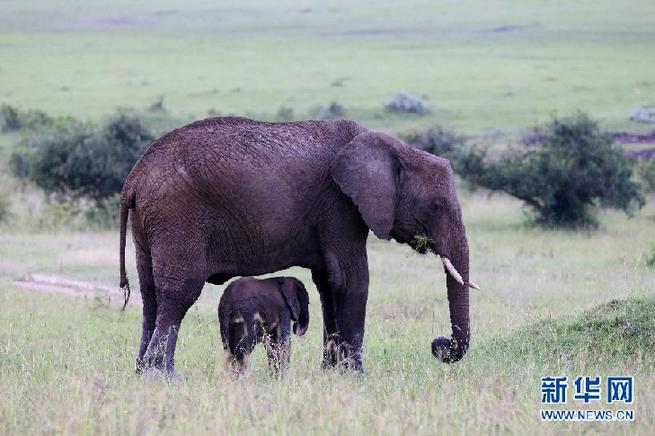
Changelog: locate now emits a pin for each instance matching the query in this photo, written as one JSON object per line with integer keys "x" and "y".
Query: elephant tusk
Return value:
{"x": 451, "y": 270}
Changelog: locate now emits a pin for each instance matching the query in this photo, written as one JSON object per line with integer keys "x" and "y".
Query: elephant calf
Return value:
{"x": 252, "y": 311}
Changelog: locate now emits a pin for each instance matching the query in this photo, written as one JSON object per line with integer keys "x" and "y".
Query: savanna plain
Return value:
{"x": 553, "y": 302}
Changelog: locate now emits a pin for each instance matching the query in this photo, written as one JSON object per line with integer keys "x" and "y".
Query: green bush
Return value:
{"x": 12, "y": 119}
{"x": 79, "y": 214}
{"x": 574, "y": 168}
{"x": 646, "y": 170}
{"x": 4, "y": 207}
{"x": 104, "y": 213}
{"x": 650, "y": 260}
{"x": 438, "y": 141}
{"x": 405, "y": 102}
{"x": 81, "y": 160}
{"x": 330, "y": 111}
{"x": 284, "y": 113}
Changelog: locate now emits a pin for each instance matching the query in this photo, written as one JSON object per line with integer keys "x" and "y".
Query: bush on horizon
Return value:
{"x": 79, "y": 160}
{"x": 437, "y": 140}
{"x": 563, "y": 178}
{"x": 571, "y": 169}
{"x": 13, "y": 119}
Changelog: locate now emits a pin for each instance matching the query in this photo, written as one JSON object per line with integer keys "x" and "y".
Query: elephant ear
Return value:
{"x": 365, "y": 170}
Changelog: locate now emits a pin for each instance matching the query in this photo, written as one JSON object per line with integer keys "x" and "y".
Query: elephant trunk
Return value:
{"x": 453, "y": 349}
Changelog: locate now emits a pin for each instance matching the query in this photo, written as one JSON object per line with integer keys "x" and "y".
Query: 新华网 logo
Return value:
{"x": 587, "y": 390}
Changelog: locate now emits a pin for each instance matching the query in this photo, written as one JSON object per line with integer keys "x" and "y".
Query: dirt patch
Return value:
{"x": 637, "y": 138}
{"x": 645, "y": 153}
{"x": 42, "y": 287}
{"x": 169, "y": 18}
{"x": 69, "y": 286}
{"x": 164, "y": 13}
{"x": 634, "y": 138}
{"x": 373, "y": 32}
{"x": 505, "y": 29}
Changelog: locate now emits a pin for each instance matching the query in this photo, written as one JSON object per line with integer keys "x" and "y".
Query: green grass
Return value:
{"x": 85, "y": 59}
{"x": 73, "y": 374}
{"x": 605, "y": 335}
{"x": 553, "y": 302}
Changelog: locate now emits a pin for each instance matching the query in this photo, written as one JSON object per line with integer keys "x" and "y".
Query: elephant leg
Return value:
{"x": 350, "y": 309}
{"x": 237, "y": 365}
{"x": 344, "y": 292}
{"x": 349, "y": 280}
{"x": 330, "y": 337}
{"x": 174, "y": 298}
{"x": 278, "y": 348}
{"x": 148, "y": 296}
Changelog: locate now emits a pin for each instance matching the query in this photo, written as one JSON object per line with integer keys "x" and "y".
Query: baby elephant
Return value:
{"x": 252, "y": 311}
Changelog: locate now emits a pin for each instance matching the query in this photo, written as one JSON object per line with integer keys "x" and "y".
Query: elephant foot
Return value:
{"x": 238, "y": 367}
{"x": 343, "y": 358}
{"x": 351, "y": 366}
{"x": 155, "y": 369}
{"x": 141, "y": 367}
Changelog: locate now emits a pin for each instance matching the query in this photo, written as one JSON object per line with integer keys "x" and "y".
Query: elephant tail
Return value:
{"x": 124, "y": 282}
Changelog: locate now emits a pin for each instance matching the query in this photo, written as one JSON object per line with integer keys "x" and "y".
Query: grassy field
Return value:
{"x": 553, "y": 302}
{"x": 66, "y": 363}
{"x": 482, "y": 66}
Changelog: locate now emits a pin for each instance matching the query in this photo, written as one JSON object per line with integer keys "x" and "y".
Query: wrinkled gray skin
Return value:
{"x": 226, "y": 197}
{"x": 253, "y": 311}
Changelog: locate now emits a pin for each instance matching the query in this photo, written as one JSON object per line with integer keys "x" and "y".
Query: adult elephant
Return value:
{"x": 226, "y": 197}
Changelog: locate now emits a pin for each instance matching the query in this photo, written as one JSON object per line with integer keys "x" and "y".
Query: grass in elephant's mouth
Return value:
{"x": 66, "y": 364}
{"x": 421, "y": 243}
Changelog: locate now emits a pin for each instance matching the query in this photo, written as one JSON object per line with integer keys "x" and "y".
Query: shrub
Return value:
{"x": 4, "y": 207}
{"x": 338, "y": 83}
{"x": 81, "y": 160}
{"x": 54, "y": 214}
{"x": 10, "y": 119}
{"x": 284, "y": 113}
{"x": 104, "y": 213}
{"x": 438, "y": 141}
{"x": 13, "y": 119}
{"x": 646, "y": 170}
{"x": 406, "y": 103}
{"x": 157, "y": 105}
{"x": 330, "y": 111}
{"x": 562, "y": 178}
{"x": 650, "y": 259}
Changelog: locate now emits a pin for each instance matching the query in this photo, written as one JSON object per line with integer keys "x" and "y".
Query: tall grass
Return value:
{"x": 66, "y": 365}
